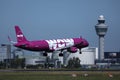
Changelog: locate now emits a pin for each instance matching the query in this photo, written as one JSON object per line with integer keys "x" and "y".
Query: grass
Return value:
{"x": 59, "y": 75}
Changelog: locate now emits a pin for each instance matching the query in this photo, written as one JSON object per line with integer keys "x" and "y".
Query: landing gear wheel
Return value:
{"x": 61, "y": 54}
{"x": 80, "y": 52}
{"x": 45, "y": 54}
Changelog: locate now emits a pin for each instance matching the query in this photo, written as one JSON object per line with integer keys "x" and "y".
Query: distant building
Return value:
{"x": 3, "y": 51}
{"x": 87, "y": 57}
{"x": 34, "y": 61}
{"x": 113, "y": 57}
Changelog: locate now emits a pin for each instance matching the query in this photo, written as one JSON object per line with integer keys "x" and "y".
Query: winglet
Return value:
{"x": 11, "y": 40}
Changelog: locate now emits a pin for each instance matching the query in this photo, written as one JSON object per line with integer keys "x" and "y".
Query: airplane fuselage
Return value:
{"x": 52, "y": 45}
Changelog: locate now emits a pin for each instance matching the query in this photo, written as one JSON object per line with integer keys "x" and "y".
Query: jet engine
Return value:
{"x": 72, "y": 49}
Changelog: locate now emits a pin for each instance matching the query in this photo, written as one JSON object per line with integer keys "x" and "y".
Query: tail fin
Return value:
{"x": 19, "y": 35}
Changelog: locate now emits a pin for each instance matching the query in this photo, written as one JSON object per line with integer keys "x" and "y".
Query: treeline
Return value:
{"x": 20, "y": 64}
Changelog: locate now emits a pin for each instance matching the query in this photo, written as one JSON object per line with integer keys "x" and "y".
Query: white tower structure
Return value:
{"x": 101, "y": 29}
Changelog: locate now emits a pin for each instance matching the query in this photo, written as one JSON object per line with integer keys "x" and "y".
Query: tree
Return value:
{"x": 18, "y": 63}
{"x": 74, "y": 63}
{"x": 77, "y": 62}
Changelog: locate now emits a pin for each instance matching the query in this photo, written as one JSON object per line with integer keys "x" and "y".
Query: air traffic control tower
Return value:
{"x": 101, "y": 29}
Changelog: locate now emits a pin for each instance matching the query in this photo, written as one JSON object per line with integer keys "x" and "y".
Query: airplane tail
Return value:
{"x": 20, "y": 36}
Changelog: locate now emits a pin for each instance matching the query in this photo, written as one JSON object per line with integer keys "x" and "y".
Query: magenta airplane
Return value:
{"x": 71, "y": 44}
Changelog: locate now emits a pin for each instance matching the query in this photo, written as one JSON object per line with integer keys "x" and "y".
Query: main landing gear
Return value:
{"x": 61, "y": 54}
{"x": 45, "y": 54}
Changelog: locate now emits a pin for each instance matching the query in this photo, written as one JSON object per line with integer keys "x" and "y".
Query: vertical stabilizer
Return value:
{"x": 20, "y": 36}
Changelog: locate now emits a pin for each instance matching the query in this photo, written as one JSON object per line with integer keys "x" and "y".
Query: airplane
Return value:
{"x": 70, "y": 44}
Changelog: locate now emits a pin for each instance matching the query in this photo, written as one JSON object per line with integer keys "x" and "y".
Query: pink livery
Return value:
{"x": 70, "y": 44}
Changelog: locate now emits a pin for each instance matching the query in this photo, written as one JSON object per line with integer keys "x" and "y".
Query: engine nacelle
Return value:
{"x": 72, "y": 49}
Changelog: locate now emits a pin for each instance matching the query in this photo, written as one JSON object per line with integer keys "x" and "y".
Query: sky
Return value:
{"x": 52, "y": 19}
